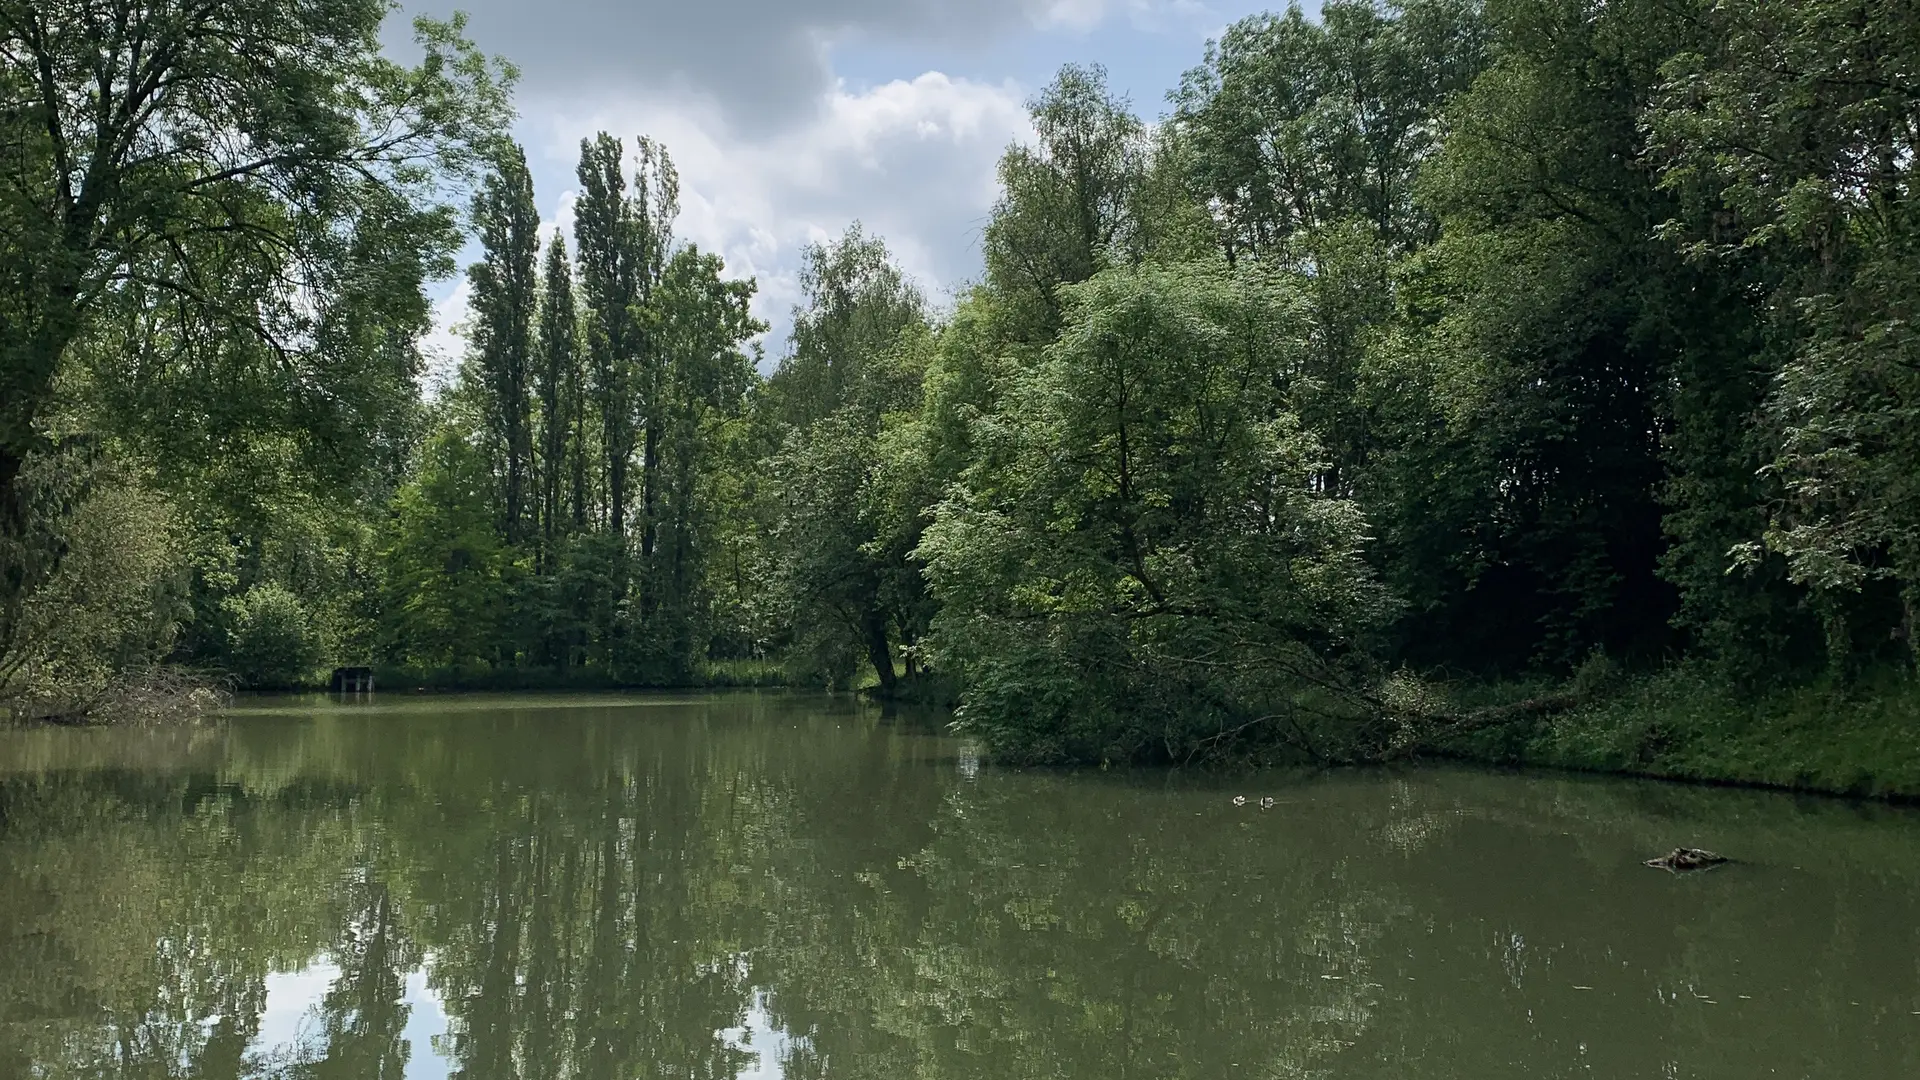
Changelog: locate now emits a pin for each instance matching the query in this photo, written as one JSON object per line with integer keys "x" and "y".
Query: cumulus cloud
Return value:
{"x": 765, "y": 63}
{"x": 913, "y": 160}
{"x": 776, "y": 152}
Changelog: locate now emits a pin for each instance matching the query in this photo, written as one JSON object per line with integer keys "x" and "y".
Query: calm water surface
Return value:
{"x": 786, "y": 886}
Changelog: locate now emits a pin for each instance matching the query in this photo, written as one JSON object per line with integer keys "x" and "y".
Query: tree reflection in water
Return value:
{"x": 786, "y": 886}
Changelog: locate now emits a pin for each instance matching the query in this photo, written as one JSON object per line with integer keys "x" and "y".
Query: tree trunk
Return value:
{"x": 26, "y": 382}
{"x": 617, "y": 493}
{"x": 11, "y": 460}
{"x": 650, "y": 490}
{"x": 879, "y": 652}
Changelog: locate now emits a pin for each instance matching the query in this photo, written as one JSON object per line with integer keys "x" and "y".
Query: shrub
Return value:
{"x": 104, "y": 597}
{"x": 272, "y": 643}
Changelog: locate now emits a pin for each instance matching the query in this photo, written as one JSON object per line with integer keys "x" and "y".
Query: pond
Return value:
{"x": 799, "y": 887}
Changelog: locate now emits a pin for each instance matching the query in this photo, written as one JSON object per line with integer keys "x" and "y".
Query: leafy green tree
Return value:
{"x": 849, "y": 368}
{"x": 1304, "y": 139}
{"x": 1788, "y": 131}
{"x": 622, "y": 243}
{"x": 452, "y": 580}
{"x": 1297, "y": 124}
{"x": 855, "y": 304}
{"x": 272, "y": 642}
{"x": 1068, "y": 204}
{"x": 246, "y": 231}
{"x": 114, "y": 603}
{"x": 505, "y": 290}
{"x": 830, "y": 578}
{"x": 1521, "y": 504}
{"x": 705, "y": 325}
{"x": 1142, "y": 569}
{"x": 561, "y": 380}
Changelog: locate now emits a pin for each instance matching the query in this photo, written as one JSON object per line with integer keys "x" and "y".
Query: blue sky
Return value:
{"x": 790, "y": 119}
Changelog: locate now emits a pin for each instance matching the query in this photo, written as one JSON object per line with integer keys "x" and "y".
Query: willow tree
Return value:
{"x": 1138, "y": 566}
{"x": 1068, "y": 202}
{"x": 832, "y": 393}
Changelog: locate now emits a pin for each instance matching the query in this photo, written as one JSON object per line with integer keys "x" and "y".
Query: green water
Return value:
{"x": 792, "y": 887}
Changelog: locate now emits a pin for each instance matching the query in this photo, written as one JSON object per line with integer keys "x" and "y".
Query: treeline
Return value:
{"x": 561, "y": 512}
{"x": 1417, "y": 342}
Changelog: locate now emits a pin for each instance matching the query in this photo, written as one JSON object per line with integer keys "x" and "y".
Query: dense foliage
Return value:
{"x": 1421, "y": 340}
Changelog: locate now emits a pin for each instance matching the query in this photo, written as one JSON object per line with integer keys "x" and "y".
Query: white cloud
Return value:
{"x": 911, "y": 159}
{"x": 1081, "y": 15}
{"x": 764, "y": 63}
{"x": 774, "y": 151}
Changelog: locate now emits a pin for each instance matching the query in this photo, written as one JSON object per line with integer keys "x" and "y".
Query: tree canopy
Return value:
{"x": 1414, "y": 341}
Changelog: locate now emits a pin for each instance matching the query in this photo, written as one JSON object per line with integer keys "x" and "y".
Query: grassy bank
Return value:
{"x": 1683, "y": 725}
{"x": 716, "y": 674}
{"x": 918, "y": 689}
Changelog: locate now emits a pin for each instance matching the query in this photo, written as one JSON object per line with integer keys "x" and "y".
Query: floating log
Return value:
{"x": 1687, "y": 858}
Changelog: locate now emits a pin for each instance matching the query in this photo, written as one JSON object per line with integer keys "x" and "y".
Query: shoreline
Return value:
{"x": 1679, "y": 726}
{"x": 1862, "y": 743}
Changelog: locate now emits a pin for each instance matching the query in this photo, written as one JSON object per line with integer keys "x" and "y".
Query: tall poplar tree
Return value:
{"x": 558, "y": 363}
{"x": 656, "y": 198}
{"x": 623, "y": 240}
{"x": 603, "y": 239}
{"x": 504, "y": 294}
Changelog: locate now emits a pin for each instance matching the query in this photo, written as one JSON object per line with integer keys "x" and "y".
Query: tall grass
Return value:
{"x": 1862, "y": 739}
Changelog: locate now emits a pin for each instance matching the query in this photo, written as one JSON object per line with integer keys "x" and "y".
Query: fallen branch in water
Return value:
{"x": 1498, "y": 715}
{"x": 159, "y": 695}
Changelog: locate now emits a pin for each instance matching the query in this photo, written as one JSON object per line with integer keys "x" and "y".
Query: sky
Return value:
{"x": 791, "y": 119}
{"x": 293, "y": 1018}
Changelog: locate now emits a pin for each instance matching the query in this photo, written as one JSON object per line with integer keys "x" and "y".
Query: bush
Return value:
{"x": 98, "y": 583}
{"x": 271, "y": 641}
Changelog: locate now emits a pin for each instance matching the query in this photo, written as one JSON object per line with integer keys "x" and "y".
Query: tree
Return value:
{"x": 505, "y": 291}
{"x": 845, "y": 372}
{"x": 1788, "y": 133}
{"x": 856, "y": 302}
{"x": 1067, "y": 205}
{"x": 705, "y": 324}
{"x": 623, "y": 243}
{"x": 450, "y": 579}
{"x": 112, "y": 606}
{"x": 1140, "y": 568}
{"x": 247, "y": 190}
{"x": 563, "y": 476}
{"x": 272, "y": 642}
{"x": 1304, "y": 138}
{"x": 1521, "y": 506}
{"x": 1297, "y": 125}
